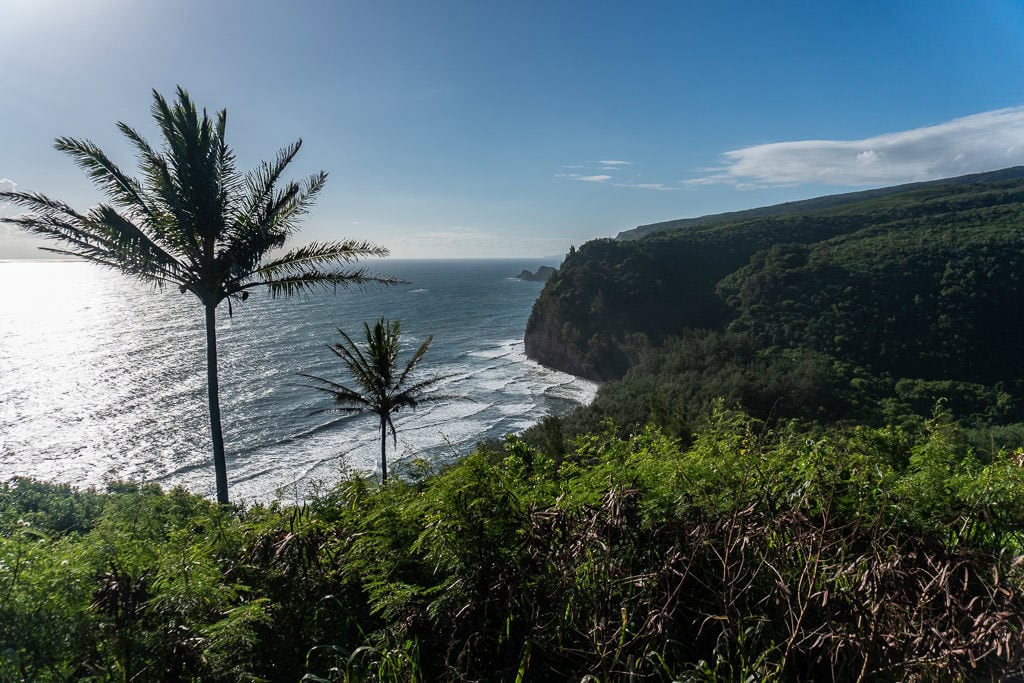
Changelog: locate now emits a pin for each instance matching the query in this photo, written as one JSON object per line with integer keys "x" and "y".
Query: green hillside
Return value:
{"x": 819, "y": 203}
{"x": 906, "y": 288}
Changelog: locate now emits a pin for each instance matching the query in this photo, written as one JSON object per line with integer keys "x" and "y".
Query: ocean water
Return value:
{"x": 103, "y": 378}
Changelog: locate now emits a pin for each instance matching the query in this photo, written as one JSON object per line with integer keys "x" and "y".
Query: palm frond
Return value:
{"x": 249, "y": 240}
{"x": 361, "y": 368}
{"x": 281, "y": 211}
{"x": 348, "y": 410}
{"x": 318, "y": 254}
{"x": 414, "y": 361}
{"x": 416, "y": 395}
{"x": 343, "y": 395}
{"x": 329, "y": 385}
{"x": 424, "y": 384}
{"x": 418, "y": 400}
{"x": 192, "y": 154}
{"x": 302, "y": 202}
{"x": 103, "y": 236}
{"x": 229, "y": 179}
{"x": 237, "y": 260}
{"x": 313, "y": 280}
{"x": 174, "y": 225}
{"x": 382, "y": 348}
{"x": 126, "y": 191}
{"x": 259, "y": 186}
{"x": 131, "y": 245}
{"x": 167, "y": 224}
{"x": 39, "y": 204}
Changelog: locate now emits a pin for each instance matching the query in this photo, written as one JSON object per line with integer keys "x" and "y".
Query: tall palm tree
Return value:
{"x": 194, "y": 221}
{"x": 380, "y": 387}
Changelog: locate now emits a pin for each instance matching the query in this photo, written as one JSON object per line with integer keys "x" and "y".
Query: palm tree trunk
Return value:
{"x": 219, "y": 464}
{"x": 383, "y": 451}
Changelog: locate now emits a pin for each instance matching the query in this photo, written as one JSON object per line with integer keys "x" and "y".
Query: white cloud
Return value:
{"x": 648, "y": 186}
{"x": 980, "y": 142}
{"x": 613, "y": 166}
{"x": 607, "y": 179}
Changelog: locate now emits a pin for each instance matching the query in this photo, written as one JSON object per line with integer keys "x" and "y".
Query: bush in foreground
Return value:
{"x": 869, "y": 554}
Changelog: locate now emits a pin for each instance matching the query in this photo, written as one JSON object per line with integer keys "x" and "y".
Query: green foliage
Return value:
{"x": 867, "y": 307}
{"x": 745, "y": 551}
{"x": 57, "y": 507}
{"x": 676, "y": 384}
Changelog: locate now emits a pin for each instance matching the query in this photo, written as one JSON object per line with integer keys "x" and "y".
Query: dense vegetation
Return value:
{"x": 861, "y": 517}
{"x": 749, "y": 554}
{"x": 864, "y": 308}
{"x": 919, "y": 284}
{"x": 674, "y": 386}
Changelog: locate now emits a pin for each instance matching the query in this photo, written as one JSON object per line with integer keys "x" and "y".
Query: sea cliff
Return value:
{"x": 920, "y": 279}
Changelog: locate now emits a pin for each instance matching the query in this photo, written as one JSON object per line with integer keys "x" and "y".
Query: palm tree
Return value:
{"x": 380, "y": 388}
{"x": 197, "y": 223}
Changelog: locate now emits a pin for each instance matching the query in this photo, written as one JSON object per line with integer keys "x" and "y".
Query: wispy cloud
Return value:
{"x": 980, "y": 142}
{"x": 610, "y": 166}
{"x": 649, "y": 186}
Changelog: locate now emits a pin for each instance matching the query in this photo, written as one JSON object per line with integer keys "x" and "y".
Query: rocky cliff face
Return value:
{"x": 611, "y": 298}
{"x": 545, "y": 345}
{"x": 579, "y": 323}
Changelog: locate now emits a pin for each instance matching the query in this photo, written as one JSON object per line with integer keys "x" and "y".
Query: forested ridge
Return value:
{"x": 871, "y": 309}
{"x": 820, "y": 203}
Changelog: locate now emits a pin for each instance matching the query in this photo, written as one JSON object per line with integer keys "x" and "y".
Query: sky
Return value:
{"x": 516, "y": 129}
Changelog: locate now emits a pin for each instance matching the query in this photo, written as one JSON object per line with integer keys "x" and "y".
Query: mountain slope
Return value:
{"x": 919, "y": 280}
{"x": 819, "y": 203}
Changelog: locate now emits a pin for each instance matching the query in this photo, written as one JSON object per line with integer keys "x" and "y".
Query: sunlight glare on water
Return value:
{"x": 103, "y": 377}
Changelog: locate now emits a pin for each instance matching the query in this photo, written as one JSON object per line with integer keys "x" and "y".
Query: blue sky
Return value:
{"x": 485, "y": 129}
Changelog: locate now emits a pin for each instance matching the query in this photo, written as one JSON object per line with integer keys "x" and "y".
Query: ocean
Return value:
{"x": 102, "y": 378}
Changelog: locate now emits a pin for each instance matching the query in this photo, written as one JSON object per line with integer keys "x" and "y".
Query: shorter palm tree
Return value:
{"x": 380, "y": 388}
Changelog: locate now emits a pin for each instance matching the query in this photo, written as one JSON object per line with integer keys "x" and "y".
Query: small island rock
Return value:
{"x": 542, "y": 274}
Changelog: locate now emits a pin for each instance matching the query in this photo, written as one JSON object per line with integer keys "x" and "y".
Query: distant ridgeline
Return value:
{"x": 922, "y": 283}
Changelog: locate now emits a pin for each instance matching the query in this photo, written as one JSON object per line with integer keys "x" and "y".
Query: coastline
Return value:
{"x": 129, "y": 403}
